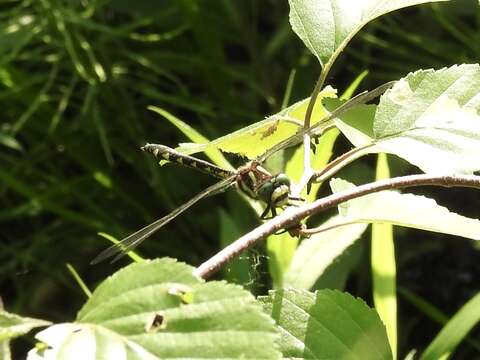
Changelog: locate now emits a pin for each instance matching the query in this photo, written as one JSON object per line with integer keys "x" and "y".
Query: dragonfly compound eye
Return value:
{"x": 265, "y": 191}
{"x": 282, "y": 179}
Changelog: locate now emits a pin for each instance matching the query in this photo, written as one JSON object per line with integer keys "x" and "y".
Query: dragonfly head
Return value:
{"x": 276, "y": 191}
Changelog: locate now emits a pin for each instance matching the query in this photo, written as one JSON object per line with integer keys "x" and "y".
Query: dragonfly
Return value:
{"x": 251, "y": 179}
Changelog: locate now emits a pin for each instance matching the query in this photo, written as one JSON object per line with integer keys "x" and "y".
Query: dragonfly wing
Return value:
{"x": 297, "y": 138}
{"x": 133, "y": 240}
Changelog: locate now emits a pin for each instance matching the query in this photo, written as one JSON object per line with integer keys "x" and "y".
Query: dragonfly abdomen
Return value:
{"x": 168, "y": 154}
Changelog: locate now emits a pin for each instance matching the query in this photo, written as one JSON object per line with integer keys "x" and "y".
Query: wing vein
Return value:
{"x": 132, "y": 241}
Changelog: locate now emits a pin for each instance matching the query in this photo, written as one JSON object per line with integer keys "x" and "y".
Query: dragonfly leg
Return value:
{"x": 265, "y": 212}
{"x": 314, "y": 141}
{"x": 294, "y": 230}
{"x": 274, "y": 211}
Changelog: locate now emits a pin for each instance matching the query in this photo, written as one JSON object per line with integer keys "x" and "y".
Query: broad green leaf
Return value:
{"x": 215, "y": 155}
{"x": 427, "y": 116}
{"x": 159, "y": 310}
{"x": 254, "y": 140}
{"x": 12, "y": 325}
{"x": 326, "y": 26}
{"x": 384, "y": 272}
{"x": 406, "y": 210}
{"x": 316, "y": 253}
{"x": 356, "y": 124}
{"x": 326, "y": 324}
{"x": 454, "y": 331}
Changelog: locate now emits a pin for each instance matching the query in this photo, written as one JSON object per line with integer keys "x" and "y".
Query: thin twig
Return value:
{"x": 338, "y": 163}
{"x": 294, "y": 215}
{"x": 313, "y": 99}
{"x": 320, "y": 229}
{"x": 307, "y": 168}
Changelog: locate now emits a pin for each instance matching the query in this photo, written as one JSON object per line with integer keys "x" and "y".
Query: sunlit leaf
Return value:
{"x": 427, "y": 116}
{"x": 254, "y": 140}
{"x": 316, "y": 253}
{"x": 12, "y": 326}
{"x": 384, "y": 274}
{"x": 407, "y": 210}
{"x": 158, "y": 309}
{"x": 327, "y": 26}
{"x": 326, "y": 324}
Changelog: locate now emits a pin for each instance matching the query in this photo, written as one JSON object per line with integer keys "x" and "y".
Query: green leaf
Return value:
{"x": 12, "y": 326}
{"x": 254, "y": 140}
{"x": 406, "y": 210}
{"x": 356, "y": 124}
{"x": 317, "y": 253}
{"x": 384, "y": 274}
{"x": 455, "y": 331}
{"x": 326, "y": 324}
{"x": 426, "y": 116}
{"x": 327, "y": 26}
{"x": 158, "y": 309}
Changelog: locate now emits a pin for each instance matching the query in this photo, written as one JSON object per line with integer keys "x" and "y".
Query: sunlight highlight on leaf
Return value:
{"x": 407, "y": 210}
{"x": 327, "y": 26}
{"x": 159, "y": 309}
{"x": 317, "y": 253}
{"x": 426, "y": 116}
{"x": 326, "y": 324}
{"x": 384, "y": 272}
{"x": 254, "y": 140}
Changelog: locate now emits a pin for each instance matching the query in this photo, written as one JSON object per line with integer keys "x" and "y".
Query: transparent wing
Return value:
{"x": 298, "y": 137}
{"x": 133, "y": 240}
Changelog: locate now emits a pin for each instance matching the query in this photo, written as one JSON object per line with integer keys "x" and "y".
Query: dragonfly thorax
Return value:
{"x": 276, "y": 191}
{"x": 258, "y": 183}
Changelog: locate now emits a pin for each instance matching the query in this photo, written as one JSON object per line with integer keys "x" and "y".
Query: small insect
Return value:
{"x": 252, "y": 179}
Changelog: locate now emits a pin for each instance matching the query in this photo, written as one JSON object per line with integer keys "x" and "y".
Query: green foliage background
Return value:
{"x": 76, "y": 78}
